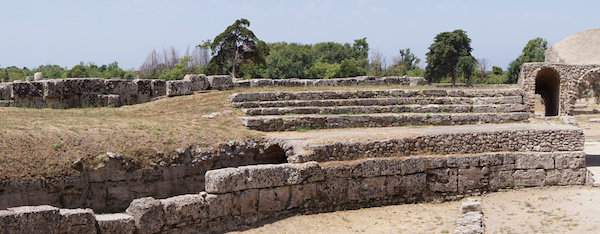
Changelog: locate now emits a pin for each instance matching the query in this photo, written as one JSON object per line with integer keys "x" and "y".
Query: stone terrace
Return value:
{"x": 285, "y": 111}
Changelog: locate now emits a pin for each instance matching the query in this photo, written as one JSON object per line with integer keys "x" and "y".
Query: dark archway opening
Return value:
{"x": 273, "y": 154}
{"x": 547, "y": 85}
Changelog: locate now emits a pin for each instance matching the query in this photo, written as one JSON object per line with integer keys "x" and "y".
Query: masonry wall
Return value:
{"x": 250, "y": 195}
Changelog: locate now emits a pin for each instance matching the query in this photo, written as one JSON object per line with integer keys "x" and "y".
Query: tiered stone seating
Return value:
{"x": 284, "y": 111}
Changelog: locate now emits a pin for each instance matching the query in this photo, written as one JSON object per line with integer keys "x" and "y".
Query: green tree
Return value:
{"x": 534, "y": 51}
{"x": 408, "y": 59}
{"x": 288, "y": 60}
{"x": 78, "y": 71}
{"x": 445, "y": 53}
{"x": 235, "y": 45}
{"x": 497, "y": 70}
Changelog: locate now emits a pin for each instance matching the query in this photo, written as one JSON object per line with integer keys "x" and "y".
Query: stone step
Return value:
{"x": 354, "y": 94}
{"x": 420, "y": 100}
{"x": 297, "y": 122}
{"x": 432, "y": 108}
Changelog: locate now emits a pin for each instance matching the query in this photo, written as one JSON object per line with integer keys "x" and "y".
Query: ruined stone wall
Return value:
{"x": 354, "y": 81}
{"x": 570, "y": 79}
{"x": 251, "y": 195}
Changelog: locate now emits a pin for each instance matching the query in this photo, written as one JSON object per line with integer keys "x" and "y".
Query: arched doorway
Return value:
{"x": 547, "y": 85}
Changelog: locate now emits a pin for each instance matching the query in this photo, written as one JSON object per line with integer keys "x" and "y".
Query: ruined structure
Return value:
{"x": 571, "y": 66}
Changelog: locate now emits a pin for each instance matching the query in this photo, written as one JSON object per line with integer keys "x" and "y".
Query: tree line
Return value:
{"x": 238, "y": 52}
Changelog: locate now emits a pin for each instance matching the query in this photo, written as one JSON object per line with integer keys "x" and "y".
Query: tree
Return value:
{"x": 78, "y": 71}
{"x": 236, "y": 45}
{"x": 534, "y": 51}
{"x": 497, "y": 71}
{"x": 288, "y": 60}
{"x": 445, "y": 53}
{"x": 482, "y": 66}
{"x": 377, "y": 62}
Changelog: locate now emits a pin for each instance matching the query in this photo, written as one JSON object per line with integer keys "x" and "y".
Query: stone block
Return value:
{"x": 273, "y": 199}
{"x": 462, "y": 161}
{"x": 8, "y": 222}
{"x": 179, "y": 87}
{"x": 500, "y": 179}
{"x": 38, "y": 76}
{"x": 442, "y": 180}
{"x": 57, "y": 88}
{"x": 304, "y": 173}
{"x": 491, "y": 159}
{"x": 5, "y": 91}
{"x": 367, "y": 189}
{"x": 220, "y": 82}
{"x": 184, "y": 207}
{"x": 199, "y": 82}
{"x": 226, "y": 180}
{"x": 27, "y": 89}
{"x": 144, "y": 87}
{"x": 343, "y": 169}
{"x": 147, "y": 213}
{"x": 301, "y": 193}
{"x": 115, "y": 223}
{"x": 159, "y": 88}
{"x": 531, "y": 177}
{"x": 470, "y": 206}
{"x": 565, "y": 176}
{"x": 37, "y": 219}
{"x": 381, "y": 166}
{"x": 534, "y": 161}
{"x": 245, "y": 202}
{"x": 118, "y": 86}
{"x": 472, "y": 178}
{"x": 77, "y": 221}
{"x": 406, "y": 185}
{"x": 569, "y": 160}
{"x": 434, "y": 92}
{"x": 219, "y": 205}
{"x": 413, "y": 165}
{"x": 332, "y": 191}
{"x": 86, "y": 85}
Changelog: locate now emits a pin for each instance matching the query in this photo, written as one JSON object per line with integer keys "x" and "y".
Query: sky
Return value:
{"x": 42, "y": 32}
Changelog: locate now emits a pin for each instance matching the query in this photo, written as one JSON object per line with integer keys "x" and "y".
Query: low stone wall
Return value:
{"x": 112, "y": 185}
{"x": 354, "y": 81}
{"x": 250, "y": 195}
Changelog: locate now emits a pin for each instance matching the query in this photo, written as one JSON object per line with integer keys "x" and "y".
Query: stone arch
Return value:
{"x": 273, "y": 154}
{"x": 547, "y": 84}
{"x": 586, "y": 80}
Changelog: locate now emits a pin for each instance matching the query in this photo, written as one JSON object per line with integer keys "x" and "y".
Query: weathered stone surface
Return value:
{"x": 159, "y": 88}
{"x": 472, "y": 178}
{"x": 226, "y": 180}
{"x": 569, "y": 160}
{"x": 381, "y": 166}
{"x": 413, "y": 165}
{"x": 219, "y": 205}
{"x": 220, "y": 82}
{"x": 77, "y": 221}
{"x": 470, "y": 206}
{"x": 38, "y": 76}
{"x": 442, "y": 180}
{"x": 532, "y": 177}
{"x": 343, "y": 169}
{"x": 245, "y": 202}
{"x": 273, "y": 199}
{"x": 179, "y": 87}
{"x": 367, "y": 189}
{"x": 300, "y": 194}
{"x": 27, "y": 89}
{"x": 147, "y": 213}
{"x": 5, "y": 91}
{"x": 115, "y": 223}
{"x": 184, "y": 207}
{"x": 500, "y": 179}
{"x": 199, "y": 82}
{"x": 406, "y": 185}
{"x": 534, "y": 161}
{"x": 37, "y": 219}
{"x": 565, "y": 176}
{"x": 8, "y": 222}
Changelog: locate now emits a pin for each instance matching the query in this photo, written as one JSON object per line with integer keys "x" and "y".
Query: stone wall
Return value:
{"x": 250, "y": 195}
{"x": 571, "y": 83}
{"x": 354, "y": 81}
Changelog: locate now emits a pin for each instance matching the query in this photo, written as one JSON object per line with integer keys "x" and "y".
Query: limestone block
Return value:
{"x": 462, "y": 161}
{"x": 179, "y": 87}
{"x": 434, "y": 92}
{"x": 57, "y": 87}
{"x": 219, "y": 205}
{"x": 301, "y": 193}
{"x": 226, "y": 180}
{"x": 245, "y": 202}
{"x": 569, "y": 160}
{"x": 86, "y": 85}
{"x": 37, "y": 219}
{"x": 115, "y": 223}
{"x": 531, "y": 177}
{"x": 144, "y": 87}
{"x": 199, "y": 82}
{"x": 147, "y": 213}
{"x": 470, "y": 206}
{"x": 565, "y": 176}
{"x": 381, "y": 166}
{"x": 38, "y": 76}
{"x": 413, "y": 165}
{"x": 5, "y": 91}
{"x": 220, "y": 82}
{"x": 366, "y": 189}
{"x": 29, "y": 79}
{"x": 534, "y": 161}
{"x": 491, "y": 159}
{"x": 27, "y": 89}
{"x": 304, "y": 173}
{"x": 118, "y": 86}
{"x": 442, "y": 180}
{"x": 184, "y": 207}
{"x": 261, "y": 82}
{"x": 343, "y": 169}
{"x": 472, "y": 178}
{"x": 332, "y": 191}
{"x": 159, "y": 88}
{"x": 273, "y": 199}
{"x": 405, "y": 185}
{"x": 8, "y": 222}
{"x": 77, "y": 221}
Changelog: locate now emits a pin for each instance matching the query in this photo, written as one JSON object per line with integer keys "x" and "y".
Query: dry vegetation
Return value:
{"x": 44, "y": 143}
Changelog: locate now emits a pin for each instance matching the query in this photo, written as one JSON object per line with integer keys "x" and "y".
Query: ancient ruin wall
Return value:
{"x": 570, "y": 76}
{"x": 251, "y": 195}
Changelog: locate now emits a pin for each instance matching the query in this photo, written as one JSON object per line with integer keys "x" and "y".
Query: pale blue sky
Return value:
{"x": 59, "y": 32}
